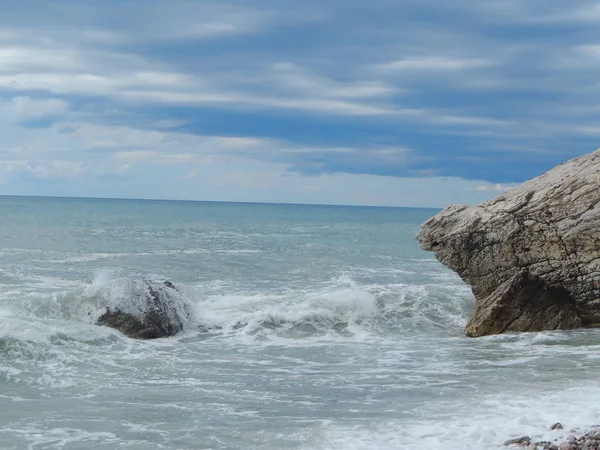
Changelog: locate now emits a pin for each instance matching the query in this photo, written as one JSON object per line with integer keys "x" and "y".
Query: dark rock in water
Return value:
{"x": 531, "y": 255}
{"x": 152, "y": 310}
{"x": 132, "y": 326}
{"x": 519, "y": 440}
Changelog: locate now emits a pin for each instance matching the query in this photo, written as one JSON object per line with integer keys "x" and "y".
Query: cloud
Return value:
{"x": 156, "y": 21}
{"x": 154, "y": 157}
{"x": 27, "y": 108}
{"x": 51, "y": 169}
{"x": 63, "y": 169}
{"x": 291, "y": 77}
{"x": 588, "y": 12}
{"x": 242, "y": 180}
{"x": 490, "y": 187}
{"x": 58, "y": 66}
{"x": 189, "y": 175}
{"x": 436, "y": 64}
{"x": 336, "y": 92}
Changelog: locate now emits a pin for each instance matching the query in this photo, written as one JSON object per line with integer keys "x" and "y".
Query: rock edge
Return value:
{"x": 531, "y": 255}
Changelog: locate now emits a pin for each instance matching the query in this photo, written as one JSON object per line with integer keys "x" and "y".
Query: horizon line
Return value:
{"x": 212, "y": 201}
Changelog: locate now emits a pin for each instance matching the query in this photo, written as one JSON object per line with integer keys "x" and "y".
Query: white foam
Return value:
{"x": 477, "y": 425}
{"x": 61, "y": 437}
{"x": 136, "y": 297}
{"x": 41, "y": 331}
{"x": 342, "y": 301}
{"x": 340, "y": 309}
{"x": 397, "y": 322}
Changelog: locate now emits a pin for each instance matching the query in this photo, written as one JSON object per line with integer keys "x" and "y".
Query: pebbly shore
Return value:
{"x": 586, "y": 441}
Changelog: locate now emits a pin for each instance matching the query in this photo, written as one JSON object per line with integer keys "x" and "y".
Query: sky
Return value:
{"x": 379, "y": 102}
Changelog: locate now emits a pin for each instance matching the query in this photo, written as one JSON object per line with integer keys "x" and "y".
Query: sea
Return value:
{"x": 314, "y": 327}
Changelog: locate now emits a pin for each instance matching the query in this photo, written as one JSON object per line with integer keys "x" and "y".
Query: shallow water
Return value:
{"x": 329, "y": 329}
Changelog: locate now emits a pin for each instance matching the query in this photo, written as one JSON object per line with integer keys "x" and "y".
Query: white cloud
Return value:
{"x": 56, "y": 65}
{"x": 21, "y": 58}
{"x": 290, "y": 77}
{"x": 28, "y": 108}
{"x": 63, "y": 71}
{"x": 590, "y": 13}
{"x": 204, "y": 168}
{"x": 189, "y": 175}
{"x": 435, "y": 64}
{"x": 267, "y": 182}
{"x": 592, "y": 130}
{"x": 585, "y": 54}
{"x": 244, "y": 180}
{"x": 377, "y": 81}
{"x": 57, "y": 169}
{"x": 491, "y": 187}
{"x": 52, "y": 169}
{"x": 155, "y": 21}
{"x": 154, "y": 157}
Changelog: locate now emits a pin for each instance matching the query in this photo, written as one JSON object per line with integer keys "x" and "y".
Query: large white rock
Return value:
{"x": 531, "y": 255}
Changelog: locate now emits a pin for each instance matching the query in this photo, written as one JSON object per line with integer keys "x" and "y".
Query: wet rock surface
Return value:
{"x": 531, "y": 255}
{"x": 153, "y": 310}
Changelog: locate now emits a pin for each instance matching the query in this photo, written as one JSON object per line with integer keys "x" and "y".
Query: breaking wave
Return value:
{"x": 339, "y": 309}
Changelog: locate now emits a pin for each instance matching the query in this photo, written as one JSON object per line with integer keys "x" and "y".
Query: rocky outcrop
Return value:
{"x": 147, "y": 310}
{"x": 531, "y": 255}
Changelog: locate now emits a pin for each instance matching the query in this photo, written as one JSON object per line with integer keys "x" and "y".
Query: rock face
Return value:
{"x": 148, "y": 310}
{"x": 531, "y": 255}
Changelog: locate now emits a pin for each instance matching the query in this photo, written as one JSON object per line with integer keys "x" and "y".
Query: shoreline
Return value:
{"x": 589, "y": 440}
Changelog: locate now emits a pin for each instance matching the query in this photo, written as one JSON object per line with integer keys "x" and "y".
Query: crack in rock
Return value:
{"x": 531, "y": 255}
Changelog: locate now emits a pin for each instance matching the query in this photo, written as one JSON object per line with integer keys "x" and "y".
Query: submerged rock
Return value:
{"x": 147, "y": 310}
{"x": 531, "y": 255}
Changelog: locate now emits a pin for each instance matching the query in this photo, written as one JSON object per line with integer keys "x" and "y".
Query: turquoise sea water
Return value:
{"x": 331, "y": 329}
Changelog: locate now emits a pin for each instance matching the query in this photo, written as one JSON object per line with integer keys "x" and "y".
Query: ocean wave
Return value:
{"x": 342, "y": 308}
{"x": 338, "y": 309}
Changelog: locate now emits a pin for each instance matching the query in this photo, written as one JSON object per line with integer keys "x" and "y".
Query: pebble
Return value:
{"x": 589, "y": 441}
